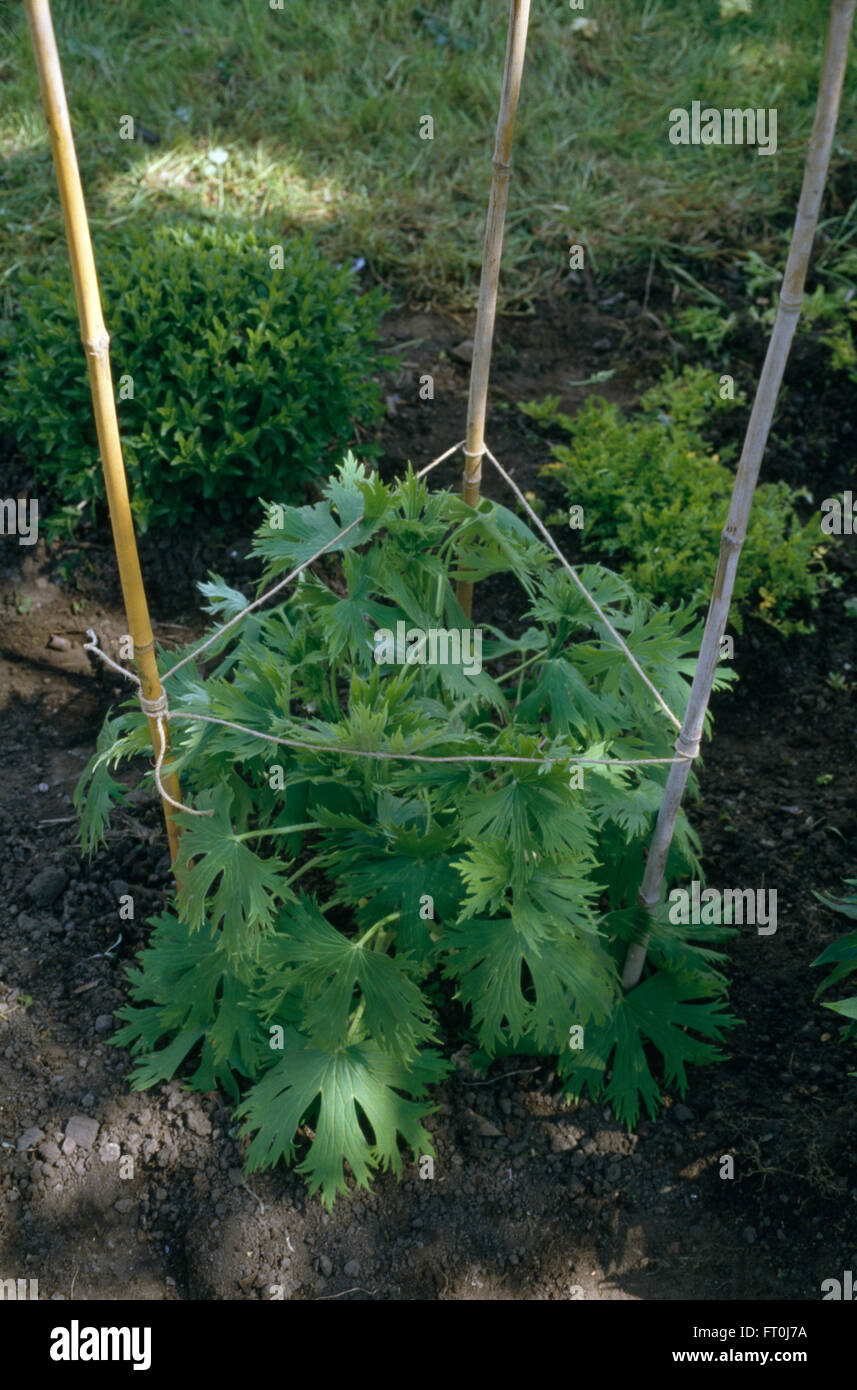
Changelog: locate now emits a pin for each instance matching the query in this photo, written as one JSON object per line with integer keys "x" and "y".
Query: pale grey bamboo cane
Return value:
{"x": 474, "y": 444}
{"x": 732, "y": 539}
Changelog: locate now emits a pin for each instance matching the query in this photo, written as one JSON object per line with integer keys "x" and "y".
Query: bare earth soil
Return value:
{"x": 529, "y": 1199}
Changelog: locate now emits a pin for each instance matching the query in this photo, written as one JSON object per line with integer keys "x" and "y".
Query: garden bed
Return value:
{"x": 529, "y": 1199}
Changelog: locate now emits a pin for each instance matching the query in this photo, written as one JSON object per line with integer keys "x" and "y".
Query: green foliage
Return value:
{"x": 705, "y": 323}
{"x": 246, "y": 379}
{"x": 654, "y": 495}
{"x": 842, "y": 955}
{"x": 834, "y": 310}
{"x": 317, "y": 1010}
{"x": 830, "y": 310}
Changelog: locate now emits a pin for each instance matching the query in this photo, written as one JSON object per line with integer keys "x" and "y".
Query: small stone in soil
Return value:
{"x": 29, "y": 1139}
{"x": 485, "y": 1128}
{"x": 46, "y": 887}
{"x": 81, "y": 1130}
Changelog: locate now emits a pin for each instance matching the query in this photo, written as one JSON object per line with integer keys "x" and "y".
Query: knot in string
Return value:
{"x": 155, "y": 709}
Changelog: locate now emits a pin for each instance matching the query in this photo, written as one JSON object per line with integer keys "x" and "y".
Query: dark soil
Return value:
{"x": 529, "y": 1199}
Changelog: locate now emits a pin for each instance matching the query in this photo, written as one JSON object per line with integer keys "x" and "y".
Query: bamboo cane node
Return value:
{"x": 687, "y": 748}
{"x": 471, "y": 475}
{"x": 142, "y": 648}
{"x": 503, "y": 169}
{"x": 790, "y": 306}
{"x": 98, "y": 346}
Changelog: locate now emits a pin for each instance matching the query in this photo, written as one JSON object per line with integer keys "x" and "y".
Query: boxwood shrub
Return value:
{"x": 234, "y": 379}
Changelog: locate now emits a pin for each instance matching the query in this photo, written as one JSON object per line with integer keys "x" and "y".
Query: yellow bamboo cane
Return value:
{"x": 96, "y": 345}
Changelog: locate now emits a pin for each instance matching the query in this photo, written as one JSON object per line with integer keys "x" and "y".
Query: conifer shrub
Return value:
{"x": 342, "y": 880}
{"x": 233, "y": 377}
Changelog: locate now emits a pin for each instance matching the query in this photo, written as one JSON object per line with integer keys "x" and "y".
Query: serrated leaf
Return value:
{"x": 493, "y": 961}
{"x": 486, "y": 870}
{"x": 661, "y": 1010}
{"x": 846, "y": 1007}
{"x": 572, "y": 704}
{"x": 531, "y": 811}
{"x": 184, "y": 981}
{"x": 349, "y": 624}
{"x": 222, "y": 880}
{"x": 223, "y": 601}
{"x": 395, "y": 870}
{"x": 310, "y": 959}
{"x": 349, "y": 1085}
{"x": 94, "y": 798}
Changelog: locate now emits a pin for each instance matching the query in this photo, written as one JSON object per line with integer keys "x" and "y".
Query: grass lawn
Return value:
{"x": 318, "y": 108}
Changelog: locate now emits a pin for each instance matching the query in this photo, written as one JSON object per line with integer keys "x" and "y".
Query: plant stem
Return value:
{"x": 367, "y": 935}
{"x": 310, "y": 864}
{"x": 278, "y": 830}
{"x": 358, "y": 1014}
{"x": 507, "y": 675}
{"x": 474, "y": 444}
{"x": 732, "y": 539}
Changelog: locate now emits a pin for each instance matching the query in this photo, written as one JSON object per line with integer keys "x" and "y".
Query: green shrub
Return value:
{"x": 655, "y": 496}
{"x": 246, "y": 379}
{"x": 510, "y": 880}
{"x": 835, "y": 311}
{"x": 830, "y": 311}
{"x": 704, "y": 323}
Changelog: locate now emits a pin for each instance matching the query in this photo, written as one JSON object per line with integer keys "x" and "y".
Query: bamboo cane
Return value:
{"x": 735, "y": 530}
{"x": 96, "y": 345}
{"x": 474, "y": 445}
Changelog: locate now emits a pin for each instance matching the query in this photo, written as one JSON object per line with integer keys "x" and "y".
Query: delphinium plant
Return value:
{"x": 383, "y": 799}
